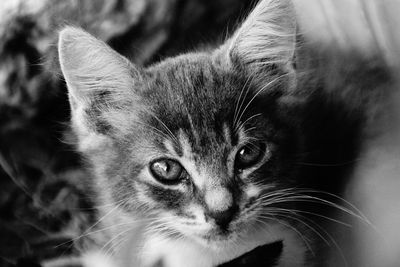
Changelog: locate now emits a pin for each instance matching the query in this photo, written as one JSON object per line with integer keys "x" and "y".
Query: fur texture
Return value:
{"x": 258, "y": 90}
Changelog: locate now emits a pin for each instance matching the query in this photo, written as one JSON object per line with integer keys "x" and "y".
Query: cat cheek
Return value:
{"x": 196, "y": 213}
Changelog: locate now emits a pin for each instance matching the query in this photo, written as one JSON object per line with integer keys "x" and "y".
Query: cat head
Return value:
{"x": 196, "y": 141}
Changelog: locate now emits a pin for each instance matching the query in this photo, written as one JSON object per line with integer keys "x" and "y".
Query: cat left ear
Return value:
{"x": 267, "y": 36}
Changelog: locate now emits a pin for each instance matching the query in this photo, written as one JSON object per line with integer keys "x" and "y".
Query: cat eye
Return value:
{"x": 249, "y": 155}
{"x": 166, "y": 171}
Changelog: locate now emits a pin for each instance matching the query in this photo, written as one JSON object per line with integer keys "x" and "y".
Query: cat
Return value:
{"x": 203, "y": 157}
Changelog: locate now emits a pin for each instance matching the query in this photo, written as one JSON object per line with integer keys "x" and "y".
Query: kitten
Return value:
{"x": 202, "y": 158}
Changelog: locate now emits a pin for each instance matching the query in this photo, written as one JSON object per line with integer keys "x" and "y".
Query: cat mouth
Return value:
{"x": 221, "y": 236}
{"x": 216, "y": 238}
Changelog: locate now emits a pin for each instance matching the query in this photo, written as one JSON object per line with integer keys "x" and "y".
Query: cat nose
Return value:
{"x": 223, "y": 218}
{"x": 220, "y": 206}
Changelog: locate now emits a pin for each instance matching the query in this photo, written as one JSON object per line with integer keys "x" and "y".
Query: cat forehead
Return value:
{"x": 189, "y": 72}
{"x": 198, "y": 99}
{"x": 191, "y": 84}
{"x": 185, "y": 61}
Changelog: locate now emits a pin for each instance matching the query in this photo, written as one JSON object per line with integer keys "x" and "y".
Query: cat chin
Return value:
{"x": 203, "y": 252}
{"x": 218, "y": 242}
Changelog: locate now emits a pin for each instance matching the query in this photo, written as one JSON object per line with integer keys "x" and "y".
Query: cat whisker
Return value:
{"x": 333, "y": 242}
{"x": 297, "y": 194}
{"x": 119, "y": 204}
{"x": 245, "y": 131}
{"x": 116, "y": 247}
{"x": 170, "y": 133}
{"x": 133, "y": 225}
{"x": 305, "y": 190}
{"x": 157, "y": 131}
{"x": 273, "y": 218}
{"x": 257, "y": 93}
{"x": 99, "y": 231}
{"x": 324, "y": 217}
{"x": 302, "y": 219}
{"x": 160, "y": 229}
{"x": 329, "y": 164}
{"x": 114, "y": 238}
{"x": 159, "y": 223}
{"x": 87, "y": 231}
{"x": 240, "y": 100}
{"x": 98, "y": 207}
{"x": 292, "y": 215}
{"x": 163, "y": 231}
{"x": 278, "y": 200}
{"x": 310, "y": 199}
{"x": 249, "y": 119}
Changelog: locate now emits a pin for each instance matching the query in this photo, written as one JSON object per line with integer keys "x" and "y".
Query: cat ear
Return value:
{"x": 97, "y": 77}
{"x": 91, "y": 68}
{"x": 266, "y": 37}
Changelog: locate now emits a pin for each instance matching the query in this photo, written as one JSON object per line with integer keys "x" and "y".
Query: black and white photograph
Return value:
{"x": 199, "y": 133}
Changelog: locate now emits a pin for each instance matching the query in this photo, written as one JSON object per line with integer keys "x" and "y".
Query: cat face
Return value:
{"x": 201, "y": 154}
{"x": 195, "y": 142}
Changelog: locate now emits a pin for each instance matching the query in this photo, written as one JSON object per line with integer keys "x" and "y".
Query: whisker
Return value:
{"x": 238, "y": 108}
{"x": 328, "y": 164}
{"x": 298, "y": 195}
{"x": 251, "y": 117}
{"x": 332, "y": 240}
{"x": 156, "y": 131}
{"x": 339, "y": 198}
{"x": 170, "y": 134}
{"x": 259, "y": 92}
{"x": 316, "y": 200}
{"x": 114, "y": 238}
{"x": 284, "y": 214}
{"x": 85, "y": 233}
{"x": 305, "y": 240}
{"x": 100, "y": 230}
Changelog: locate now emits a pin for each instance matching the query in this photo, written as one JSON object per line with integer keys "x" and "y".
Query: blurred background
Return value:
{"x": 371, "y": 27}
{"x": 43, "y": 200}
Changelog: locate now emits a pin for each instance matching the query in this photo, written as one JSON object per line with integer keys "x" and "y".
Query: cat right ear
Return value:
{"x": 98, "y": 80}
{"x": 91, "y": 68}
{"x": 267, "y": 36}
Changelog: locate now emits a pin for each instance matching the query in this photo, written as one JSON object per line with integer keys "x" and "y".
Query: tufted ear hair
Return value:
{"x": 267, "y": 36}
{"x": 99, "y": 81}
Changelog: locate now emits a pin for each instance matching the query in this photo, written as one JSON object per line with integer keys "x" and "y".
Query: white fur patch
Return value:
{"x": 97, "y": 259}
{"x": 169, "y": 146}
{"x": 252, "y": 191}
{"x": 218, "y": 199}
{"x": 188, "y": 252}
{"x": 188, "y": 162}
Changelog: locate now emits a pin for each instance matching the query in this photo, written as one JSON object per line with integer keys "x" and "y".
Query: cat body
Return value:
{"x": 203, "y": 157}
